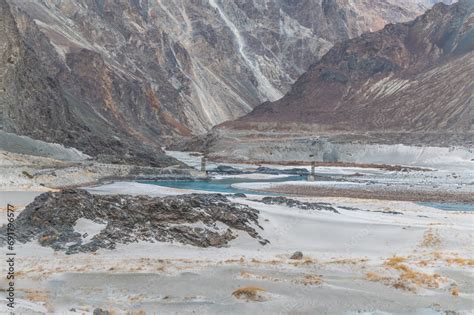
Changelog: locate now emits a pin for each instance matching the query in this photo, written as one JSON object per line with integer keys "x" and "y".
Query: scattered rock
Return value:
{"x": 238, "y": 195}
{"x": 204, "y": 220}
{"x": 225, "y": 169}
{"x": 293, "y": 203}
{"x": 27, "y": 174}
{"x": 99, "y": 311}
{"x": 297, "y": 255}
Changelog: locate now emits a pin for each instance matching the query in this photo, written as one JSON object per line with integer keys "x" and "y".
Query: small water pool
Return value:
{"x": 449, "y": 206}
{"x": 222, "y": 185}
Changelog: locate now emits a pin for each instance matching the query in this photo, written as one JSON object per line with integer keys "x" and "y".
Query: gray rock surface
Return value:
{"x": 297, "y": 255}
{"x": 195, "y": 219}
{"x": 293, "y": 203}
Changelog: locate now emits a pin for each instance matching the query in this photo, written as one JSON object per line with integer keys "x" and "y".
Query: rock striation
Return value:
{"x": 42, "y": 98}
{"x": 119, "y": 79}
{"x": 407, "y": 83}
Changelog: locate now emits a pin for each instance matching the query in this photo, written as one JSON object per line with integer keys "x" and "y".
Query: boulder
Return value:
{"x": 297, "y": 255}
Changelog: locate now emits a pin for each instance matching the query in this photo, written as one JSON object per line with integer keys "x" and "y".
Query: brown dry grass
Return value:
{"x": 304, "y": 262}
{"x": 430, "y": 239}
{"x": 408, "y": 278}
{"x": 39, "y": 296}
{"x": 372, "y": 276}
{"x": 266, "y": 262}
{"x": 309, "y": 280}
{"x": 36, "y": 296}
{"x": 455, "y": 291}
{"x": 395, "y": 260}
{"x": 348, "y": 261}
{"x": 249, "y": 275}
{"x": 250, "y": 293}
{"x": 460, "y": 261}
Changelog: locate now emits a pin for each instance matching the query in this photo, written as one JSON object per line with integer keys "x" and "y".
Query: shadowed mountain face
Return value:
{"x": 45, "y": 99}
{"x": 121, "y": 78}
{"x": 414, "y": 77}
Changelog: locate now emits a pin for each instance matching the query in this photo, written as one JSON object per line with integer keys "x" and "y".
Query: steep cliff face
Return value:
{"x": 35, "y": 100}
{"x": 409, "y": 79}
{"x": 198, "y": 63}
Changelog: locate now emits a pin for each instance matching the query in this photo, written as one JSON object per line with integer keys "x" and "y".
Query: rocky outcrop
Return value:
{"x": 202, "y": 220}
{"x": 41, "y": 98}
{"x": 408, "y": 83}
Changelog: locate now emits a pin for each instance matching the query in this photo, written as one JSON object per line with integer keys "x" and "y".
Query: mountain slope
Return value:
{"x": 34, "y": 102}
{"x": 200, "y": 62}
{"x": 408, "y": 81}
{"x": 119, "y": 79}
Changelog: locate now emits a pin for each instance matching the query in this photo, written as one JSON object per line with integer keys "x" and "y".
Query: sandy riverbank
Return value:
{"x": 348, "y": 264}
{"x": 372, "y": 256}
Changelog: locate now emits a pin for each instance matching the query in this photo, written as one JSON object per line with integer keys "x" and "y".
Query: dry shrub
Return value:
{"x": 403, "y": 286}
{"x": 408, "y": 279}
{"x": 430, "y": 239}
{"x": 348, "y": 261}
{"x": 304, "y": 262}
{"x": 437, "y": 255}
{"x": 395, "y": 260}
{"x": 266, "y": 262}
{"x": 248, "y": 275}
{"x": 420, "y": 278}
{"x": 455, "y": 291}
{"x": 309, "y": 280}
{"x": 233, "y": 261}
{"x": 250, "y": 293}
{"x": 36, "y": 296}
{"x": 460, "y": 261}
{"x": 372, "y": 276}
{"x": 423, "y": 262}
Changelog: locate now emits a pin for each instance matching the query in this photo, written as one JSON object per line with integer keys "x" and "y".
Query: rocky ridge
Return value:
{"x": 409, "y": 80}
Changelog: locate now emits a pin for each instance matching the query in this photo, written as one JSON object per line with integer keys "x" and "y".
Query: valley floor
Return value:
{"x": 373, "y": 256}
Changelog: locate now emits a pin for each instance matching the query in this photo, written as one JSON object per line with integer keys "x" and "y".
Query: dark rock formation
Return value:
{"x": 194, "y": 219}
{"x": 289, "y": 171}
{"x": 293, "y": 203}
{"x": 297, "y": 255}
{"x": 226, "y": 169}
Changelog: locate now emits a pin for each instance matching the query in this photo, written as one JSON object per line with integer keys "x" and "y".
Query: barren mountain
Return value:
{"x": 407, "y": 81}
{"x": 119, "y": 78}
